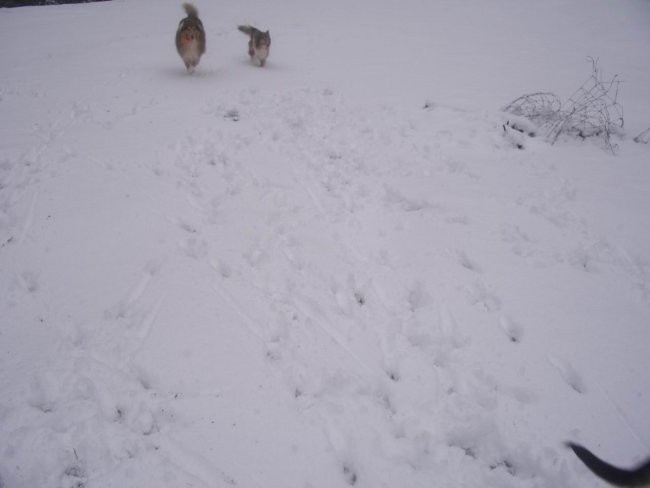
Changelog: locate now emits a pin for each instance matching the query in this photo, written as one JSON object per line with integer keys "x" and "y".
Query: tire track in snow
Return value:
{"x": 194, "y": 464}
{"x": 336, "y": 338}
{"x": 623, "y": 416}
{"x": 249, "y": 322}
{"x": 29, "y": 219}
{"x": 146, "y": 325}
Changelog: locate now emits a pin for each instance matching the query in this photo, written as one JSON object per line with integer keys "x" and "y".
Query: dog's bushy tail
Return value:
{"x": 190, "y": 10}
{"x": 246, "y": 29}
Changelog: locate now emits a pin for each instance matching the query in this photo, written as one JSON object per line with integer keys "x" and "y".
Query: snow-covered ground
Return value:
{"x": 336, "y": 270}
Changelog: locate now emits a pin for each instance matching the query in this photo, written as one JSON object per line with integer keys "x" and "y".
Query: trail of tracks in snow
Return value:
{"x": 311, "y": 257}
{"x": 315, "y": 219}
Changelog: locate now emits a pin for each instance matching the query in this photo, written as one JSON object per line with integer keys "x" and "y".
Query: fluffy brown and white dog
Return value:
{"x": 190, "y": 38}
{"x": 259, "y": 44}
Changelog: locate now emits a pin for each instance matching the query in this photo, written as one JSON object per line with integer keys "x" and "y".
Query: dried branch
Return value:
{"x": 644, "y": 137}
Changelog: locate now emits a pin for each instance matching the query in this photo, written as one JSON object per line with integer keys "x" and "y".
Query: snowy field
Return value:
{"x": 337, "y": 270}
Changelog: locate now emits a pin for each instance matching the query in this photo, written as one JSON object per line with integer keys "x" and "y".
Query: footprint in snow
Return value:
{"x": 194, "y": 248}
{"x": 123, "y": 308}
{"x": 350, "y": 474}
{"x": 28, "y": 281}
{"x": 73, "y": 475}
{"x": 513, "y": 330}
{"x": 569, "y": 374}
{"x": 480, "y": 297}
{"x": 232, "y": 114}
{"x": 468, "y": 263}
{"x": 450, "y": 330}
{"x": 221, "y": 267}
{"x": 185, "y": 225}
{"x": 393, "y": 375}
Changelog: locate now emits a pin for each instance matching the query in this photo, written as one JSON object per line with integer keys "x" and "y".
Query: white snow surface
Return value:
{"x": 337, "y": 270}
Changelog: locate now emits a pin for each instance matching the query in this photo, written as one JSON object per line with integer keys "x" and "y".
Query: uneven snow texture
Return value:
{"x": 342, "y": 269}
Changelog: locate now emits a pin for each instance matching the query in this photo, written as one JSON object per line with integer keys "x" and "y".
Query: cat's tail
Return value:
{"x": 636, "y": 477}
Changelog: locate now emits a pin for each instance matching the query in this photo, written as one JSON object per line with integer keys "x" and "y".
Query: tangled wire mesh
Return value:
{"x": 592, "y": 111}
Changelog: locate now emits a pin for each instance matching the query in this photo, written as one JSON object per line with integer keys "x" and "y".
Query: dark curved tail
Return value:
{"x": 636, "y": 477}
